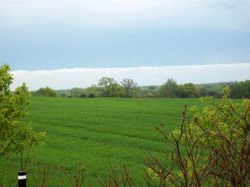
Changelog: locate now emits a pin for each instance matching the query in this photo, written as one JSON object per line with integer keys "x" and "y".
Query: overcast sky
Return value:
{"x": 126, "y": 34}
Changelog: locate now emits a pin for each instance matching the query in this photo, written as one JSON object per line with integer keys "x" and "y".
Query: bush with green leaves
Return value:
{"x": 91, "y": 95}
{"x": 15, "y": 134}
{"x": 45, "y": 92}
{"x": 211, "y": 148}
{"x": 83, "y": 95}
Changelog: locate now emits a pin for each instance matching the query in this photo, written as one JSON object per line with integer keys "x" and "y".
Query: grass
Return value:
{"x": 99, "y": 132}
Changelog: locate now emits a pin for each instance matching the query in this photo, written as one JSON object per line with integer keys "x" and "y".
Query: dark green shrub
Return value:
{"x": 46, "y": 92}
{"x": 91, "y": 95}
{"x": 83, "y": 95}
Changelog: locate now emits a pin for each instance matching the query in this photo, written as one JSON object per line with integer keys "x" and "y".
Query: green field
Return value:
{"x": 99, "y": 132}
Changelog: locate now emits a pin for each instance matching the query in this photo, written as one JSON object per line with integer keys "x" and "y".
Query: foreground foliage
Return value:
{"x": 216, "y": 145}
{"x": 15, "y": 135}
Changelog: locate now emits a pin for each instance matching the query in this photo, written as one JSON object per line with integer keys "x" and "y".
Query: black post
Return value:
{"x": 22, "y": 179}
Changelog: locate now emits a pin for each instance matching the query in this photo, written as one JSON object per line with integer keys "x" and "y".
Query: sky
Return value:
{"x": 121, "y": 37}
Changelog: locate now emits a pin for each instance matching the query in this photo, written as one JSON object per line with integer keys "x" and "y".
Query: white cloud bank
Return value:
{"x": 145, "y": 75}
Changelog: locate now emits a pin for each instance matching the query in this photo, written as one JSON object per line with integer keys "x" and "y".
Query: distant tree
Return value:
{"x": 93, "y": 89}
{"x": 241, "y": 89}
{"x": 151, "y": 87}
{"x": 213, "y": 89}
{"x": 64, "y": 94}
{"x": 46, "y": 92}
{"x": 168, "y": 89}
{"x": 247, "y": 89}
{"x": 77, "y": 92}
{"x": 130, "y": 88}
{"x": 149, "y": 91}
{"x": 144, "y": 92}
{"x": 109, "y": 87}
{"x": 203, "y": 91}
{"x": 83, "y": 95}
{"x": 91, "y": 95}
{"x": 188, "y": 90}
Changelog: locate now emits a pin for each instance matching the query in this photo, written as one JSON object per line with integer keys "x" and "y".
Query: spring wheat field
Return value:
{"x": 98, "y": 132}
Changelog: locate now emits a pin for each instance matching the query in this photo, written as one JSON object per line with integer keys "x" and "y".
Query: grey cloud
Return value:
{"x": 219, "y": 14}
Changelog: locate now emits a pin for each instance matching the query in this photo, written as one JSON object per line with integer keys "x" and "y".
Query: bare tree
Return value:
{"x": 131, "y": 88}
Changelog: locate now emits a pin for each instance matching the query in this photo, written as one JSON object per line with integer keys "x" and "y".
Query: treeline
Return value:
{"x": 108, "y": 87}
{"x": 189, "y": 90}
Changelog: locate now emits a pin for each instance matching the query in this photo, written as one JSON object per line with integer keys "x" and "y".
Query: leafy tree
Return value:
{"x": 144, "y": 92}
{"x": 130, "y": 88}
{"x": 15, "y": 134}
{"x": 212, "y": 89}
{"x": 64, "y": 94}
{"x": 168, "y": 89}
{"x": 77, "y": 92}
{"x": 94, "y": 90}
{"x": 241, "y": 89}
{"x": 91, "y": 95}
{"x": 203, "y": 91}
{"x": 46, "y": 92}
{"x": 83, "y": 95}
{"x": 188, "y": 90}
{"x": 149, "y": 91}
{"x": 151, "y": 87}
{"x": 109, "y": 87}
